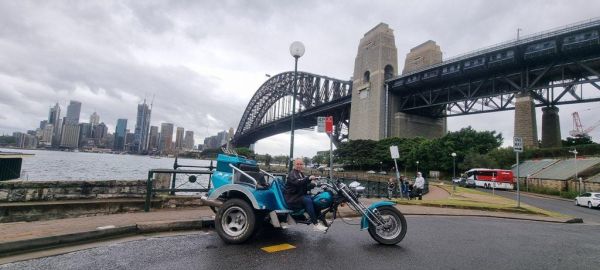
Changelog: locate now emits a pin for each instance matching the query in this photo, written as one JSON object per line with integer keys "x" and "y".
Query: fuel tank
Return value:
{"x": 323, "y": 199}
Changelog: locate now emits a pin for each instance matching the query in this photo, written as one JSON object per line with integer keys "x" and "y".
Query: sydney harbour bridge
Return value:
{"x": 539, "y": 70}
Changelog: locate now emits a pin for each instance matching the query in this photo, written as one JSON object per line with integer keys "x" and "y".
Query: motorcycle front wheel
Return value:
{"x": 393, "y": 229}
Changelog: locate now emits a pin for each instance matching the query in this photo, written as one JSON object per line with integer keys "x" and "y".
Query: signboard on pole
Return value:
{"x": 518, "y": 144}
{"x": 321, "y": 124}
{"x": 329, "y": 124}
{"x": 394, "y": 152}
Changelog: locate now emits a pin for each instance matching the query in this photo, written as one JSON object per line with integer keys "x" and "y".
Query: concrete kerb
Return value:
{"x": 22, "y": 246}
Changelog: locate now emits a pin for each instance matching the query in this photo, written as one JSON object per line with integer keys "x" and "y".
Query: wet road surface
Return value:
{"x": 431, "y": 243}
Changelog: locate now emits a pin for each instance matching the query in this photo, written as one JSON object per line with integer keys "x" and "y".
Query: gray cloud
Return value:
{"x": 203, "y": 60}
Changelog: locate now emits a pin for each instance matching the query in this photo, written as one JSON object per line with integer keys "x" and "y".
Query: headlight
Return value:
{"x": 356, "y": 187}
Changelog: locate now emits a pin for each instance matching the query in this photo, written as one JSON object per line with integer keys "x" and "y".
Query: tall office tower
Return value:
{"x": 189, "y": 140}
{"x": 153, "y": 140}
{"x": 221, "y": 138}
{"x": 70, "y": 136}
{"x": 43, "y": 124}
{"x": 54, "y": 120}
{"x": 100, "y": 132}
{"x": 166, "y": 138}
{"x": 47, "y": 133}
{"x": 179, "y": 138}
{"x": 120, "y": 135}
{"x": 94, "y": 119}
{"x": 85, "y": 133}
{"x": 73, "y": 112}
{"x": 142, "y": 127}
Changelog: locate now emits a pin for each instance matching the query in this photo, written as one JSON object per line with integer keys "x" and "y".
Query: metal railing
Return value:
{"x": 202, "y": 170}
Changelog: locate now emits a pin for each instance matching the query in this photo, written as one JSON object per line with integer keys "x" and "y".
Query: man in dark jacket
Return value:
{"x": 296, "y": 187}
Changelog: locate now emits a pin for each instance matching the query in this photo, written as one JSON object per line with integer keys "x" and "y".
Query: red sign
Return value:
{"x": 329, "y": 124}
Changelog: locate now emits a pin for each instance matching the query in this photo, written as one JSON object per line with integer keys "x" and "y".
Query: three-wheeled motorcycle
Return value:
{"x": 244, "y": 197}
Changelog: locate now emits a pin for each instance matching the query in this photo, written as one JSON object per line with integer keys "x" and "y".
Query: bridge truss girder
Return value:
{"x": 551, "y": 84}
{"x": 316, "y": 96}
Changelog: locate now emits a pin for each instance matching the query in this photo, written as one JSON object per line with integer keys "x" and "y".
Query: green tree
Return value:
{"x": 245, "y": 151}
{"x": 268, "y": 159}
{"x": 574, "y": 141}
{"x": 358, "y": 153}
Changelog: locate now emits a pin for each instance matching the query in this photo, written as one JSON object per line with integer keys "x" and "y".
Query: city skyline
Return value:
{"x": 75, "y": 134}
{"x": 204, "y": 73}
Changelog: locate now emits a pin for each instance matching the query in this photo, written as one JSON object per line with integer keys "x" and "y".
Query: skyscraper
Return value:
{"x": 189, "y": 140}
{"x": 73, "y": 112}
{"x": 85, "y": 132}
{"x": 166, "y": 138}
{"x": 70, "y": 136}
{"x": 154, "y": 139}
{"x": 54, "y": 120}
{"x": 179, "y": 138}
{"x": 94, "y": 119}
{"x": 120, "y": 135}
{"x": 142, "y": 127}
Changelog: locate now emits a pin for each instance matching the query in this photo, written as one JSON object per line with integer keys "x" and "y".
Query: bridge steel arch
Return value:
{"x": 316, "y": 95}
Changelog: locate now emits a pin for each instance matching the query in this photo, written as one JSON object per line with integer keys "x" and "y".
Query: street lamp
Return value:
{"x": 453, "y": 171}
{"x": 380, "y": 166}
{"x": 574, "y": 152}
{"x": 417, "y": 166}
{"x": 296, "y": 50}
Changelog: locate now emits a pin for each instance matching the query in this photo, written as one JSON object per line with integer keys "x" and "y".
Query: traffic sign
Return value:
{"x": 329, "y": 124}
{"x": 394, "y": 151}
{"x": 518, "y": 144}
{"x": 321, "y": 124}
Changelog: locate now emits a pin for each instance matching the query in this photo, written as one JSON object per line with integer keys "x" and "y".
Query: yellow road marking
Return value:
{"x": 277, "y": 248}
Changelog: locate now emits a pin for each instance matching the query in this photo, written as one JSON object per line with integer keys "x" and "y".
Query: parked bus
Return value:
{"x": 492, "y": 178}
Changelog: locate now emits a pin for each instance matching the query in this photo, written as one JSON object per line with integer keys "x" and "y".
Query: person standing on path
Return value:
{"x": 419, "y": 185}
{"x": 391, "y": 187}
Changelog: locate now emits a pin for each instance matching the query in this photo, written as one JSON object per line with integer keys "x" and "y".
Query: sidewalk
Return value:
{"x": 19, "y": 237}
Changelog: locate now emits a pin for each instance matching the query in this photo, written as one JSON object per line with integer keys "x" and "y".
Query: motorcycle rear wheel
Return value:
{"x": 394, "y": 229}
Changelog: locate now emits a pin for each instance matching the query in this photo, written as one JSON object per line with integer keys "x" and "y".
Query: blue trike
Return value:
{"x": 244, "y": 197}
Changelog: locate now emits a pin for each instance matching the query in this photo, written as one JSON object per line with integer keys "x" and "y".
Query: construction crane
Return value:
{"x": 578, "y": 130}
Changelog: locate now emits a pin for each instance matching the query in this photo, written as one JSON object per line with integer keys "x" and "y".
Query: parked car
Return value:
{"x": 589, "y": 199}
{"x": 469, "y": 183}
{"x": 338, "y": 169}
{"x": 457, "y": 180}
{"x": 371, "y": 172}
{"x": 382, "y": 172}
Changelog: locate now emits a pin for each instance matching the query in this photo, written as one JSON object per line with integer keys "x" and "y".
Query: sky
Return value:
{"x": 201, "y": 61}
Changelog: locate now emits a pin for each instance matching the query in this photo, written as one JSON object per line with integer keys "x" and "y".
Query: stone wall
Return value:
{"x": 29, "y": 191}
{"x": 561, "y": 185}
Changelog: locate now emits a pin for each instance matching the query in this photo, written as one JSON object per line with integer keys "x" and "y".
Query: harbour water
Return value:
{"x": 58, "y": 165}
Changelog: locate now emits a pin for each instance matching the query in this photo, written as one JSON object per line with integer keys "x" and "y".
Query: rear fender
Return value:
{"x": 233, "y": 187}
{"x": 364, "y": 222}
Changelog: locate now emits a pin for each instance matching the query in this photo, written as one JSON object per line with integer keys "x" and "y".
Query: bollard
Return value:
{"x": 148, "y": 192}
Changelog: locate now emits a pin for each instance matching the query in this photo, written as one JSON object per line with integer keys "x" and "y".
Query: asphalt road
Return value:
{"x": 560, "y": 206}
{"x": 431, "y": 243}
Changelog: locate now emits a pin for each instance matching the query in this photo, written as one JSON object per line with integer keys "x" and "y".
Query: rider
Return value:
{"x": 296, "y": 187}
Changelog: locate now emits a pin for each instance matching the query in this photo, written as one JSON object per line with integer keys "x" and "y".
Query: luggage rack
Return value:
{"x": 200, "y": 170}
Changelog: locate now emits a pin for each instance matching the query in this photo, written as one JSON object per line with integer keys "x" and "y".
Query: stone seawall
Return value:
{"x": 27, "y": 191}
{"x": 31, "y": 191}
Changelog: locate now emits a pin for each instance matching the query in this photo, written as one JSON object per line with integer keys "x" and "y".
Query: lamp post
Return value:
{"x": 453, "y": 171}
{"x": 296, "y": 50}
{"x": 574, "y": 152}
{"x": 380, "y": 166}
{"x": 417, "y": 167}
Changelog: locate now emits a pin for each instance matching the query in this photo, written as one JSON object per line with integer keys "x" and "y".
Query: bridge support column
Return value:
{"x": 405, "y": 125}
{"x": 376, "y": 61}
{"x": 525, "y": 122}
{"x": 550, "y": 127}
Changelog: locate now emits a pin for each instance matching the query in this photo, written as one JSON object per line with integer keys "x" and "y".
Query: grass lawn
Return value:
{"x": 465, "y": 198}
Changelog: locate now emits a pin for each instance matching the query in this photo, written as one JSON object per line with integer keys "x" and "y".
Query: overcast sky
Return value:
{"x": 203, "y": 60}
